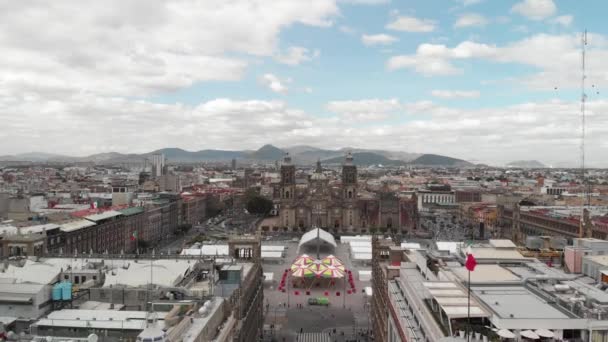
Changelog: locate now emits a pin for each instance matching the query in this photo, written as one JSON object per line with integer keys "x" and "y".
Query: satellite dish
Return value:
{"x": 92, "y": 338}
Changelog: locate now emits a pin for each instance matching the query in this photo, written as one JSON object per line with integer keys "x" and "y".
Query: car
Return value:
{"x": 318, "y": 301}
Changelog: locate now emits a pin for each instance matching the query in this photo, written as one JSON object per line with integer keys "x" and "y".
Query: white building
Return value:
{"x": 158, "y": 164}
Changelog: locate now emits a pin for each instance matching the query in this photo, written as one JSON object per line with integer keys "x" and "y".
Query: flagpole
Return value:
{"x": 469, "y": 308}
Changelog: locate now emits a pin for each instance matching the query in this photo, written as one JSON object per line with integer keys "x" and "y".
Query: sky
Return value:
{"x": 483, "y": 80}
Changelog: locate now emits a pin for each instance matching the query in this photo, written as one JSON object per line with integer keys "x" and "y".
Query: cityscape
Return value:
{"x": 303, "y": 171}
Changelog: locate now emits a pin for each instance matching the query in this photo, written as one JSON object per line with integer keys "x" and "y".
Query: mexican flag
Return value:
{"x": 470, "y": 263}
{"x": 134, "y": 236}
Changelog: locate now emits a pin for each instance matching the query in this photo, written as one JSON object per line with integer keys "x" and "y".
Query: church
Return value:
{"x": 341, "y": 207}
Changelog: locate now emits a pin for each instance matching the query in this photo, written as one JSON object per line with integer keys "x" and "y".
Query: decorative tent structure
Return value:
{"x": 305, "y": 266}
{"x": 315, "y": 237}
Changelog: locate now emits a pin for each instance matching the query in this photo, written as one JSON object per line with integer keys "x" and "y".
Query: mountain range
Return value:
{"x": 302, "y": 154}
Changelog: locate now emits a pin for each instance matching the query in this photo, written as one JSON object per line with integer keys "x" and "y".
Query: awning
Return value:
{"x": 529, "y": 334}
{"x": 544, "y": 333}
{"x": 504, "y": 333}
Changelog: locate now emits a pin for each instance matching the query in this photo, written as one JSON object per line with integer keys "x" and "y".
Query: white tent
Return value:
{"x": 348, "y": 239}
{"x": 362, "y": 256}
{"x": 410, "y": 245}
{"x": 359, "y": 250}
{"x": 310, "y": 238}
{"x": 273, "y": 248}
{"x": 272, "y": 255}
{"x": 365, "y": 275}
{"x": 360, "y": 244}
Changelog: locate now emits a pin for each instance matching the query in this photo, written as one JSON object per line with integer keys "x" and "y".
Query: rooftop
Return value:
{"x": 76, "y": 225}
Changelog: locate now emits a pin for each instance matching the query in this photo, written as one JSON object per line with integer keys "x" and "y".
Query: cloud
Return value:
{"x": 435, "y": 59}
{"x": 535, "y": 9}
{"x": 469, "y": 2}
{"x": 551, "y": 127}
{"x": 455, "y": 94}
{"x": 412, "y": 24}
{"x": 470, "y": 19}
{"x": 347, "y": 29}
{"x": 366, "y": 2}
{"x": 296, "y": 55}
{"x": 364, "y": 110}
{"x": 561, "y": 70}
{"x": 564, "y": 20}
{"x": 127, "y": 48}
{"x": 378, "y": 39}
{"x": 427, "y": 66}
{"x": 273, "y": 83}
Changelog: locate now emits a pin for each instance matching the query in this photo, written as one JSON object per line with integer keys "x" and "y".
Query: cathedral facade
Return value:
{"x": 340, "y": 207}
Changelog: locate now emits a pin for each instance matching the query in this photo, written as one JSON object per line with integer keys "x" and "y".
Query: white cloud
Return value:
{"x": 364, "y": 110}
{"x": 426, "y": 66}
{"x": 469, "y": 2}
{"x": 561, "y": 70}
{"x": 296, "y": 55}
{"x": 470, "y": 19}
{"x": 455, "y": 94}
{"x": 412, "y": 24}
{"x": 378, "y": 39}
{"x": 564, "y": 20}
{"x": 273, "y": 83}
{"x": 535, "y": 9}
{"x": 434, "y": 59}
{"x": 347, "y": 29}
{"x": 366, "y": 2}
{"x": 551, "y": 127}
{"x": 127, "y": 48}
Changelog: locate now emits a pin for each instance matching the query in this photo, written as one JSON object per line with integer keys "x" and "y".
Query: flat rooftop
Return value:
{"x": 516, "y": 302}
{"x": 486, "y": 274}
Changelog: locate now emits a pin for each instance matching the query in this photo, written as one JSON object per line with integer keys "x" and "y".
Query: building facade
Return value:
{"x": 340, "y": 208}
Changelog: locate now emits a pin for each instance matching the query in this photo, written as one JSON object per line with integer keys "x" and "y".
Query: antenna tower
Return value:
{"x": 585, "y": 199}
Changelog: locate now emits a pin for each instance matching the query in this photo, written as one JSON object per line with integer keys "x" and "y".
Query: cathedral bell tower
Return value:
{"x": 349, "y": 179}
{"x": 287, "y": 192}
{"x": 349, "y": 193}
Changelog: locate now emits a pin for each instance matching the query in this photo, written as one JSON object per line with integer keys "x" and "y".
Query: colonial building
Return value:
{"x": 339, "y": 207}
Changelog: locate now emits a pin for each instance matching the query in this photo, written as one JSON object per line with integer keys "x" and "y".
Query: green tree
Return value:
{"x": 259, "y": 205}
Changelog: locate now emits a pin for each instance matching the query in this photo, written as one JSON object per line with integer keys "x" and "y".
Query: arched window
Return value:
{"x": 287, "y": 194}
{"x": 389, "y": 222}
{"x": 337, "y": 224}
{"x": 350, "y": 194}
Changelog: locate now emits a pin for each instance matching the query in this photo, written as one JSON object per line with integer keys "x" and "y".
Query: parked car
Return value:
{"x": 318, "y": 301}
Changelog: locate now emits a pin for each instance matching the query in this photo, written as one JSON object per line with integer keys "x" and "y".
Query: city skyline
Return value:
{"x": 482, "y": 81}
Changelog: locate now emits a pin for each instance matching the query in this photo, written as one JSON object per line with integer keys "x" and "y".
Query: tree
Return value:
{"x": 373, "y": 230}
{"x": 184, "y": 227}
{"x": 259, "y": 205}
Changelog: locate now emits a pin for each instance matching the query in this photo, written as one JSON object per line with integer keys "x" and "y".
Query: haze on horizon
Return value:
{"x": 483, "y": 81}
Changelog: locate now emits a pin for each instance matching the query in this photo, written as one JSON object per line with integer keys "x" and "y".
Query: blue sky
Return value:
{"x": 490, "y": 81}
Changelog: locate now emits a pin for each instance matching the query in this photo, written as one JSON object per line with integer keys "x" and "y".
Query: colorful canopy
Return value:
{"x": 332, "y": 272}
{"x": 303, "y": 272}
{"x": 332, "y": 260}
{"x": 303, "y": 259}
{"x": 306, "y": 266}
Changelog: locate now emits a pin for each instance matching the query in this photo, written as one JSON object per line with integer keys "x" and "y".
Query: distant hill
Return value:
{"x": 267, "y": 152}
{"x": 179, "y": 155}
{"x": 527, "y": 164}
{"x": 300, "y": 149}
{"x": 35, "y": 156}
{"x": 366, "y": 158}
{"x": 301, "y": 154}
{"x": 437, "y": 160}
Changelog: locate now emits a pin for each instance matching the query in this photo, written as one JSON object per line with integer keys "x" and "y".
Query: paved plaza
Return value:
{"x": 287, "y": 314}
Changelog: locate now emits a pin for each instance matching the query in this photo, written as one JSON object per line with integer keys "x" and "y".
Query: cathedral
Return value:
{"x": 340, "y": 207}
